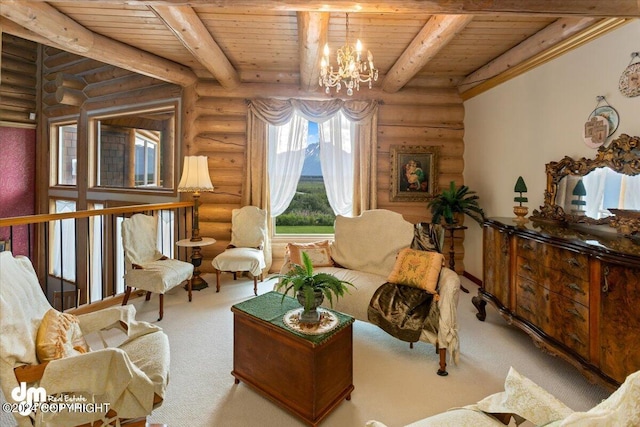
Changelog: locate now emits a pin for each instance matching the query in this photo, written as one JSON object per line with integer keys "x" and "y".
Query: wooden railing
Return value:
{"x": 86, "y": 267}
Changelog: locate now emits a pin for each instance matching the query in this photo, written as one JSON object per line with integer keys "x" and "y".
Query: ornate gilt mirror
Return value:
{"x": 604, "y": 190}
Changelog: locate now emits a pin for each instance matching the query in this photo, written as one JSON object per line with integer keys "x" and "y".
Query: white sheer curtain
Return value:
{"x": 287, "y": 148}
{"x": 337, "y": 162}
{"x": 631, "y": 192}
{"x": 594, "y": 183}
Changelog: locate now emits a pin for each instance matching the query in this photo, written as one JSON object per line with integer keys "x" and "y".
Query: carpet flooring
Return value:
{"x": 393, "y": 383}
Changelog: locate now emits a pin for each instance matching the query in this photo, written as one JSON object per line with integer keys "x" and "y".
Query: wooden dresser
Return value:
{"x": 574, "y": 290}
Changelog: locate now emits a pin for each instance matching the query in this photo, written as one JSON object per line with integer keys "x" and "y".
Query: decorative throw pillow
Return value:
{"x": 420, "y": 269}
{"x": 318, "y": 252}
{"x": 59, "y": 336}
{"x": 526, "y": 399}
{"x": 622, "y": 408}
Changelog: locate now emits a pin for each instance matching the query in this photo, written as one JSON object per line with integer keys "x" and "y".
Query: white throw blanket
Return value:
{"x": 105, "y": 375}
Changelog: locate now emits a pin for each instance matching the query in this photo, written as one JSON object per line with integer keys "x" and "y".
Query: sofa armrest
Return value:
{"x": 449, "y": 292}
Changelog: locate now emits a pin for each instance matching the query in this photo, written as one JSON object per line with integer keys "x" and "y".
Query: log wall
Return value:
{"x": 214, "y": 124}
{"x": 431, "y": 116}
{"x": 18, "y": 81}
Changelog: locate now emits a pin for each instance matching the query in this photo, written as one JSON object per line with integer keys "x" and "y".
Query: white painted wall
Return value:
{"x": 516, "y": 128}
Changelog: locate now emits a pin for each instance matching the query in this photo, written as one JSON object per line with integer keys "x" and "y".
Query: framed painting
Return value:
{"x": 414, "y": 172}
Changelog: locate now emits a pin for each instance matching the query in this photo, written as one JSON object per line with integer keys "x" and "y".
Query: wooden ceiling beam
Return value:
{"x": 62, "y": 32}
{"x": 594, "y": 8}
{"x": 435, "y": 35}
{"x": 313, "y": 28}
{"x": 588, "y": 34}
{"x": 189, "y": 29}
{"x": 552, "y": 34}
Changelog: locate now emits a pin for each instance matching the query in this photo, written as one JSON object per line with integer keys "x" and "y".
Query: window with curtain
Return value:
{"x": 363, "y": 122}
{"x": 310, "y": 174}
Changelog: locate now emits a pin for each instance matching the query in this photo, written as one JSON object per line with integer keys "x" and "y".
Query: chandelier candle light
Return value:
{"x": 352, "y": 70}
{"x": 195, "y": 178}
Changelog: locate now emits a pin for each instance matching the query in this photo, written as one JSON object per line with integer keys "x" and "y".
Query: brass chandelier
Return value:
{"x": 352, "y": 70}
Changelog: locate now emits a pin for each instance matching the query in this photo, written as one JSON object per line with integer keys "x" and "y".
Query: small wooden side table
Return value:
{"x": 452, "y": 253}
{"x": 197, "y": 282}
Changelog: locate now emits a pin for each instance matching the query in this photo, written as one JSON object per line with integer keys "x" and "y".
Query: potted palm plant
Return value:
{"x": 455, "y": 201}
{"x": 310, "y": 289}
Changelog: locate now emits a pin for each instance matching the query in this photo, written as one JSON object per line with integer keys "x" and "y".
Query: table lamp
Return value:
{"x": 195, "y": 178}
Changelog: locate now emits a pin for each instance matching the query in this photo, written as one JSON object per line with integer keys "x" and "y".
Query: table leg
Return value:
{"x": 197, "y": 282}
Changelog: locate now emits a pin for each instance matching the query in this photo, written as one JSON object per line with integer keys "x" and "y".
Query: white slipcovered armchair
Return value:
{"x": 130, "y": 379}
{"x": 246, "y": 249}
{"x": 146, "y": 267}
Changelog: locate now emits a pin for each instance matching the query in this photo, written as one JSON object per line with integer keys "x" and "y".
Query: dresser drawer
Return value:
{"x": 532, "y": 303}
{"x": 570, "y": 323}
{"x": 568, "y": 262}
{"x": 529, "y": 249}
{"x": 576, "y": 289}
{"x": 530, "y": 269}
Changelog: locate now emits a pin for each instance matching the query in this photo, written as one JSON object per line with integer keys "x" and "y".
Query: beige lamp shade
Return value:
{"x": 195, "y": 175}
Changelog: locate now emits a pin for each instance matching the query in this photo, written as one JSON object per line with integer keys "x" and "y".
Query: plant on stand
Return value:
{"x": 455, "y": 201}
{"x": 310, "y": 289}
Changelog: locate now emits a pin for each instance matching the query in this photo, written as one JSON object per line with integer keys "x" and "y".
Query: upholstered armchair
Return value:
{"x": 246, "y": 249}
{"x": 45, "y": 351}
{"x": 145, "y": 266}
{"x": 523, "y": 400}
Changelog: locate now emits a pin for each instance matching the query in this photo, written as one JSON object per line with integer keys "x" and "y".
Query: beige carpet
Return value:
{"x": 393, "y": 383}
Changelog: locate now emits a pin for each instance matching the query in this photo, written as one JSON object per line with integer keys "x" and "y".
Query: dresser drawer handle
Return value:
{"x": 605, "y": 287}
{"x": 527, "y": 267}
{"x": 576, "y": 338}
{"x": 575, "y": 313}
{"x": 527, "y": 247}
{"x": 528, "y": 288}
{"x": 527, "y": 309}
{"x": 574, "y": 262}
{"x": 575, "y": 287}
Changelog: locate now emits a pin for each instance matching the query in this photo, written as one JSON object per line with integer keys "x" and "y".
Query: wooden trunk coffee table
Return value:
{"x": 309, "y": 375}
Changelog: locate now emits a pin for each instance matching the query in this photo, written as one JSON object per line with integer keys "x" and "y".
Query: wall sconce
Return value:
{"x": 520, "y": 211}
{"x": 195, "y": 178}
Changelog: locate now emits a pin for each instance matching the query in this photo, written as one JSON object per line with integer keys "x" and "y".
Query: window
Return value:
{"x": 309, "y": 211}
{"x": 146, "y": 161}
{"x": 135, "y": 148}
{"x": 311, "y": 174}
{"x": 64, "y": 159}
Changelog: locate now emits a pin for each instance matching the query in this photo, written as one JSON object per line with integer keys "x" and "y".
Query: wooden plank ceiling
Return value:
{"x": 464, "y": 43}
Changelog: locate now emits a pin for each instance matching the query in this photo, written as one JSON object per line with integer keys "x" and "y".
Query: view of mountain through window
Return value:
{"x": 309, "y": 212}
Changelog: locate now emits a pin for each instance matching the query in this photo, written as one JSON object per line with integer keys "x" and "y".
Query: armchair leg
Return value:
{"x": 255, "y": 285}
{"x": 189, "y": 287}
{"x": 127, "y": 294}
{"x": 443, "y": 362}
{"x": 217, "y": 280}
{"x": 161, "y": 306}
{"x": 148, "y": 297}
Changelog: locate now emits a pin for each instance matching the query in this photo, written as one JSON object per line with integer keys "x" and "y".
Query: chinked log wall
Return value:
{"x": 215, "y": 120}
{"x": 18, "y": 72}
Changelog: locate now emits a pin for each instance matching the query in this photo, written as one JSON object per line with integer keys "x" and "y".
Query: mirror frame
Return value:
{"x": 621, "y": 155}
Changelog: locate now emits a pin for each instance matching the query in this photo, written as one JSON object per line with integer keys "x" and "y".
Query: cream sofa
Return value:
{"x": 523, "y": 400}
{"x": 365, "y": 249}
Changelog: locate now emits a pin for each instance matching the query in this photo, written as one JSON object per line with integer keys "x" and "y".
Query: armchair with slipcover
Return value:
{"x": 246, "y": 249}
{"x": 146, "y": 267}
{"x": 523, "y": 400}
{"x": 46, "y": 349}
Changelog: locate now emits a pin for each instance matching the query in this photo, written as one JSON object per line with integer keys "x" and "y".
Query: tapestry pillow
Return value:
{"x": 420, "y": 269}
{"x": 318, "y": 252}
{"x": 59, "y": 336}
